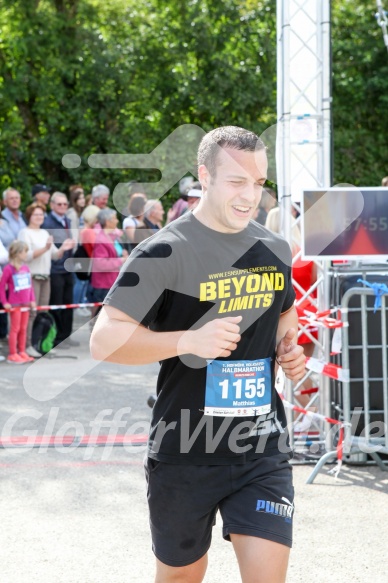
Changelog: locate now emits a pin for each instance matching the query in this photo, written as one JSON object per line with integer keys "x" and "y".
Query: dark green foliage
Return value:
{"x": 117, "y": 76}
{"x": 85, "y": 76}
{"x": 360, "y": 94}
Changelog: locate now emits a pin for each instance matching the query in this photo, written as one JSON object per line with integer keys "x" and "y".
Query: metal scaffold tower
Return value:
{"x": 304, "y": 141}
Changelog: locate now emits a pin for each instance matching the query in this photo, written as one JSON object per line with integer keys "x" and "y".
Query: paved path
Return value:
{"x": 78, "y": 515}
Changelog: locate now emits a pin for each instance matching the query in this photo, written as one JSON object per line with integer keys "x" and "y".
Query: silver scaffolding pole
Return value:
{"x": 382, "y": 21}
{"x": 304, "y": 137}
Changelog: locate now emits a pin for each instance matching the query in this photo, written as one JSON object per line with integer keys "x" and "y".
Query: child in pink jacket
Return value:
{"x": 16, "y": 291}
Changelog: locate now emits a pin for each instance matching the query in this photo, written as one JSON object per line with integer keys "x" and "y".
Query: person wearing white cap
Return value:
{"x": 180, "y": 206}
{"x": 194, "y": 196}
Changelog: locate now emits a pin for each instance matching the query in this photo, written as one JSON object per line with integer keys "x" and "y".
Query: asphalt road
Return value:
{"x": 78, "y": 514}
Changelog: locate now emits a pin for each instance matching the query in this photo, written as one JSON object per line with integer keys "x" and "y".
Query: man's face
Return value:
{"x": 102, "y": 201}
{"x": 43, "y": 197}
{"x": 59, "y": 205}
{"x": 230, "y": 198}
{"x": 12, "y": 200}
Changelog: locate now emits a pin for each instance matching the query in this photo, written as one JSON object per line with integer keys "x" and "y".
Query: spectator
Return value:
{"x": 267, "y": 202}
{"x": 194, "y": 196}
{"x": 61, "y": 292}
{"x": 106, "y": 256}
{"x": 153, "y": 215}
{"x": 88, "y": 233}
{"x": 6, "y": 233}
{"x": 6, "y": 238}
{"x": 3, "y": 254}
{"x": 3, "y": 317}
{"x": 384, "y": 181}
{"x": 86, "y": 238}
{"x": 41, "y": 193}
{"x": 88, "y": 200}
{"x": 76, "y": 206}
{"x": 180, "y": 206}
{"x": 135, "y": 229}
{"x": 41, "y": 250}
{"x": 100, "y": 196}
{"x": 135, "y": 187}
{"x": 16, "y": 291}
{"x": 12, "y": 213}
{"x": 135, "y": 195}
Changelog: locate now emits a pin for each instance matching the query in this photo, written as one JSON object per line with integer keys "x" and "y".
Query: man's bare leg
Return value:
{"x": 193, "y": 573}
{"x": 260, "y": 560}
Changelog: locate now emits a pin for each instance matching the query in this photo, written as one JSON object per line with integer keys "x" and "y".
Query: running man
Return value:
{"x": 210, "y": 297}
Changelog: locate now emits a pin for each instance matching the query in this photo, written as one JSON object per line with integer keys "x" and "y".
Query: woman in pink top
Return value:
{"x": 108, "y": 256}
{"x": 16, "y": 291}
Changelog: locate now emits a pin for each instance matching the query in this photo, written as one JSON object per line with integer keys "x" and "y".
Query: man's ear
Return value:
{"x": 203, "y": 175}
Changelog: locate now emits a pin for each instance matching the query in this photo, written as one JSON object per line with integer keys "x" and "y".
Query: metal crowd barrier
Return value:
{"x": 364, "y": 406}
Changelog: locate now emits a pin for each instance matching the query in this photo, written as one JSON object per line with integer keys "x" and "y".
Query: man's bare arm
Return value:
{"x": 118, "y": 338}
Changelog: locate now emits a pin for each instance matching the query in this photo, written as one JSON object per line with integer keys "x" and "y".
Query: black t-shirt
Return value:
{"x": 182, "y": 277}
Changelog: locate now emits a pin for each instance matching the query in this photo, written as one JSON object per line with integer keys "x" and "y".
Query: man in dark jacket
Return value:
{"x": 58, "y": 225}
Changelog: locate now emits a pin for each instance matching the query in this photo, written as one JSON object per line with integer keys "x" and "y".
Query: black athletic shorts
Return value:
{"x": 255, "y": 499}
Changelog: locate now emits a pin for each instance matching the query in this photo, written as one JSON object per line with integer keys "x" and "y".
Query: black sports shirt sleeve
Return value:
{"x": 290, "y": 296}
{"x": 139, "y": 288}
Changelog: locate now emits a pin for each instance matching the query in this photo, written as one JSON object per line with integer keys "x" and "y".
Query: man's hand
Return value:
{"x": 216, "y": 338}
{"x": 290, "y": 356}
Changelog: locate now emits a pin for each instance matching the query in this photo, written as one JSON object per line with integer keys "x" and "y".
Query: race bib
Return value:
{"x": 21, "y": 281}
{"x": 238, "y": 388}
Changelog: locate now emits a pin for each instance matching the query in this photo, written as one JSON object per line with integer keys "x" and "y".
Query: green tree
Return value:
{"x": 360, "y": 94}
{"x": 82, "y": 76}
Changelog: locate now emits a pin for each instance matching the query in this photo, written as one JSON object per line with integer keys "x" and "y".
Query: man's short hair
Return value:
{"x": 9, "y": 189}
{"x": 55, "y": 195}
{"x": 99, "y": 190}
{"x": 226, "y": 137}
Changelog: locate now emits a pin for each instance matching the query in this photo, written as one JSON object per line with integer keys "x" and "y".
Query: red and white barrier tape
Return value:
{"x": 319, "y": 416}
{"x": 306, "y": 392}
{"x": 308, "y": 321}
{"x": 37, "y": 441}
{"x": 334, "y": 371}
{"x": 55, "y": 307}
{"x": 319, "y": 318}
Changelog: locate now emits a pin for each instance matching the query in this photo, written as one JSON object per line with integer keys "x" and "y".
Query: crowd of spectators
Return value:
{"x": 56, "y": 226}
{"x": 74, "y": 249}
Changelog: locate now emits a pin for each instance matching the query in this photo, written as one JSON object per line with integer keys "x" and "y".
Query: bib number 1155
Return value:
{"x": 252, "y": 388}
